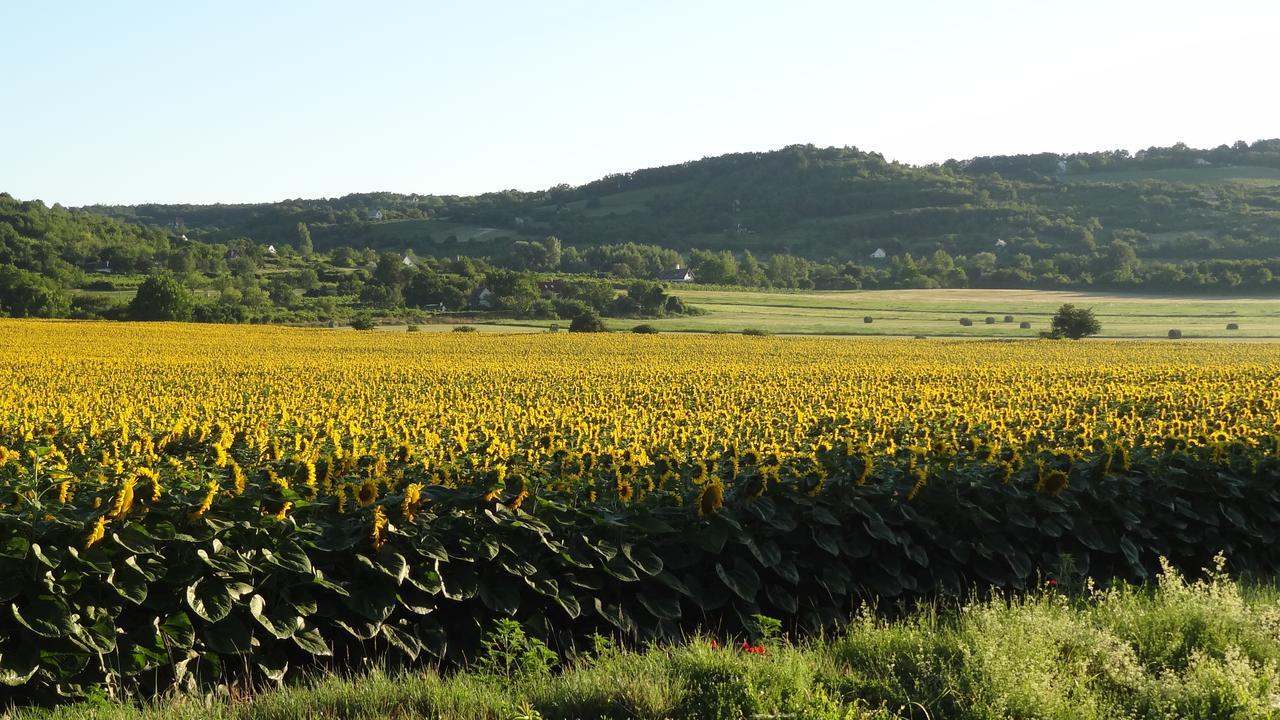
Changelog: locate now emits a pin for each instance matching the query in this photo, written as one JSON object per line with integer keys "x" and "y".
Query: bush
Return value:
{"x": 868, "y": 319}
{"x": 1025, "y": 325}
{"x": 645, "y": 330}
{"x": 162, "y": 297}
{"x": 464, "y": 328}
{"x": 1175, "y": 334}
{"x": 1008, "y": 318}
{"x": 1233, "y": 326}
{"x": 755, "y": 332}
{"x": 587, "y": 322}
{"x": 412, "y": 328}
{"x": 1075, "y": 323}
{"x": 100, "y": 286}
{"x": 990, "y": 320}
{"x": 363, "y": 322}
{"x": 553, "y": 327}
{"x": 966, "y": 322}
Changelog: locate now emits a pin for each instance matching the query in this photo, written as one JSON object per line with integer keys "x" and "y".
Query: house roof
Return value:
{"x": 676, "y": 274}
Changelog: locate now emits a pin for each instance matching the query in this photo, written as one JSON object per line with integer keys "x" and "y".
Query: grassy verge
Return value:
{"x": 1204, "y": 649}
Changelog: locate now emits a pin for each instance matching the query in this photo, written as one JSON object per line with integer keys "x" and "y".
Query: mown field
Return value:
{"x": 192, "y": 506}
{"x": 937, "y": 313}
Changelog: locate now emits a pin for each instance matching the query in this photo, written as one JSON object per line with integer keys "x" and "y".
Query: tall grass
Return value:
{"x": 1179, "y": 649}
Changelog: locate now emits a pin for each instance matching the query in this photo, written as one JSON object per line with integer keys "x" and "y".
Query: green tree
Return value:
{"x": 1075, "y": 323}
{"x": 587, "y": 322}
{"x": 26, "y": 294}
{"x": 161, "y": 297}
{"x": 303, "y": 242}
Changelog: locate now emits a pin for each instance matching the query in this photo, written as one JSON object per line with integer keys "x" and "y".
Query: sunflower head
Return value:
{"x": 367, "y": 493}
{"x": 711, "y": 499}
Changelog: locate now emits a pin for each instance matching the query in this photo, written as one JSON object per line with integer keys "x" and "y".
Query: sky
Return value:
{"x": 137, "y": 101}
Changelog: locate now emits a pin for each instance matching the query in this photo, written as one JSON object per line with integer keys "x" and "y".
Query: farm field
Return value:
{"x": 937, "y": 313}
{"x": 183, "y": 505}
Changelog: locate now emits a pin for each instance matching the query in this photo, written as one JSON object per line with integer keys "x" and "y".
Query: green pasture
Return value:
{"x": 937, "y": 313}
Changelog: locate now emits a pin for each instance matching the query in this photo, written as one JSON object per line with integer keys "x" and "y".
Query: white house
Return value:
{"x": 407, "y": 261}
{"x": 1001, "y": 243}
{"x": 376, "y": 215}
{"x": 271, "y": 249}
{"x": 879, "y": 254}
{"x": 678, "y": 275}
{"x": 1062, "y": 167}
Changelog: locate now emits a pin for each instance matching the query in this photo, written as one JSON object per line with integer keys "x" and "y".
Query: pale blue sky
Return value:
{"x": 232, "y": 101}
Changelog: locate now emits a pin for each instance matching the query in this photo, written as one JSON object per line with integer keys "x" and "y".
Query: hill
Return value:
{"x": 1165, "y": 220}
{"x": 822, "y": 204}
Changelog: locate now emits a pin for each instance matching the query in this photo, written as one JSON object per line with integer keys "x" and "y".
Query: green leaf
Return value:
{"x": 47, "y": 616}
{"x": 392, "y": 564}
{"x": 500, "y": 594}
{"x": 402, "y": 641}
{"x": 209, "y": 599}
{"x": 178, "y": 631}
{"x": 782, "y": 599}
{"x": 15, "y": 547}
{"x": 288, "y": 555}
{"x": 129, "y": 581}
{"x": 662, "y": 605}
{"x": 765, "y": 551}
{"x": 312, "y": 642}
{"x": 18, "y": 663}
{"x": 644, "y": 559}
{"x": 741, "y": 579}
{"x": 227, "y": 561}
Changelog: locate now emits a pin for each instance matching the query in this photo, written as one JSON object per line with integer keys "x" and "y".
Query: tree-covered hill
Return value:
{"x": 1164, "y": 219}
{"x": 823, "y": 204}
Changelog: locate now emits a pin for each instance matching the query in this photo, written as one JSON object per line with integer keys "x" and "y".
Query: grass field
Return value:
{"x": 937, "y": 313}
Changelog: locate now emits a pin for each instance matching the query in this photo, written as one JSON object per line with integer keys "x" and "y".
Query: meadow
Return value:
{"x": 187, "y": 506}
{"x": 937, "y": 313}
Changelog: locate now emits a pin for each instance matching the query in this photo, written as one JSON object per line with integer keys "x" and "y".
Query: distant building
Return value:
{"x": 271, "y": 249}
{"x": 676, "y": 275}
{"x": 407, "y": 261}
{"x": 1062, "y": 167}
{"x": 550, "y": 290}
{"x": 376, "y": 215}
{"x": 102, "y": 267}
{"x": 481, "y": 298}
{"x": 1202, "y": 161}
{"x": 879, "y": 254}
{"x": 1001, "y": 243}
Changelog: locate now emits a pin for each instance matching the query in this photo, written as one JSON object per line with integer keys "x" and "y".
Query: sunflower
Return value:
{"x": 412, "y": 499}
{"x": 379, "y": 527}
{"x": 98, "y": 532}
{"x": 711, "y": 499}
{"x": 367, "y": 493}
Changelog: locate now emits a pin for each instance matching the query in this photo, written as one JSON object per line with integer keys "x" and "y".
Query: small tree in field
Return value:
{"x": 587, "y": 322}
{"x": 1075, "y": 323}
{"x": 161, "y": 297}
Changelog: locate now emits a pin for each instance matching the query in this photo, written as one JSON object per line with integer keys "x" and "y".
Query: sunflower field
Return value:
{"x": 188, "y": 505}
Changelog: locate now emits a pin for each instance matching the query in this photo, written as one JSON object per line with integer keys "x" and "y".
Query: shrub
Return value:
{"x": 990, "y": 320}
{"x": 645, "y": 330}
{"x": 363, "y": 322}
{"x": 162, "y": 297}
{"x": 1075, "y": 323}
{"x": 100, "y": 285}
{"x": 755, "y": 332}
{"x": 412, "y": 328}
{"x": 553, "y": 327}
{"x": 868, "y": 319}
{"x": 464, "y": 328}
{"x": 1233, "y": 326}
{"x": 587, "y": 322}
{"x": 1008, "y": 318}
{"x": 1025, "y": 325}
{"x": 966, "y": 322}
{"x": 1175, "y": 334}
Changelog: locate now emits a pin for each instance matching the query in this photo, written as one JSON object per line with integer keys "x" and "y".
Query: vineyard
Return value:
{"x": 185, "y": 505}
